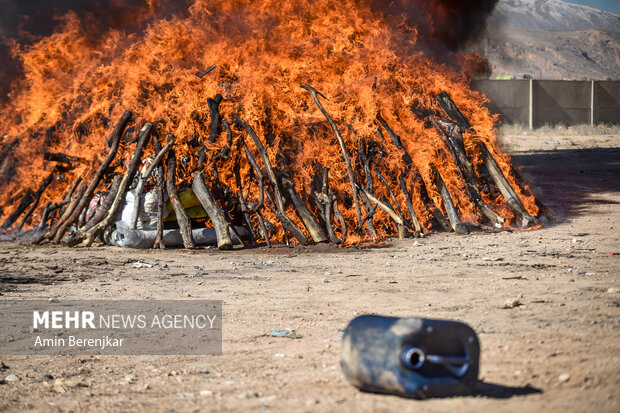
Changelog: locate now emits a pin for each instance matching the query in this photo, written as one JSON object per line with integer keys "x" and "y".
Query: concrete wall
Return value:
{"x": 607, "y": 96}
{"x": 509, "y": 98}
{"x": 539, "y": 102}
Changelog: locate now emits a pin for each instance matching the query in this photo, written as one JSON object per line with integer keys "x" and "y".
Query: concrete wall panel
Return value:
{"x": 607, "y": 98}
{"x": 561, "y": 102}
{"x": 508, "y": 98}
{"x": 553, "y": 101}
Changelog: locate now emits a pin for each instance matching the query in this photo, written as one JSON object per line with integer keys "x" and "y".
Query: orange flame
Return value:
{"x": 74, "y": 89}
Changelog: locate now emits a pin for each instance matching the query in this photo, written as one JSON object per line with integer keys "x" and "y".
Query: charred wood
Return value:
{"x": 306, "y": 216}
{"x": 119, "y": 200}
{"x": 507, "y": 191}
{"x": 453, "y": 215}
{"x": 26, "y": 201}
{"x": 345, "y": 153}
{"x": 114, "y": 142}
{"x": 143, "y": 178}
{"x": 215, "y": 213}
{"x": 37, "y": 197}
{"x": 181, "y": 214}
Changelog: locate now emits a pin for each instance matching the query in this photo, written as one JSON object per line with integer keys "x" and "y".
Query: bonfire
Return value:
{"x": 297, "y": 122}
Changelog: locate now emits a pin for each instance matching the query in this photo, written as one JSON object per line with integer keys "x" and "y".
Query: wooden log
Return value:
{"x": 325, "y": 200}
{"x": 507, "y": 191}
{"x": 245, "y": 211}
{"x": 259, "y": 178}
{"x": 454, "y": 142}
{"x": 52, "y": 207}
{"x": 159, "y": 243}
{"x": 397, "y": 208}
{"x": 279, "y": 211}
{"x": 62, "y": 158}
{"x": 304, "y": 213}
{"x": 119, "y": 200}
{"x": 453, "y": 112}
{"x": 400, "y": 226}
{"x": 73, "y": 239}
{"x": 425, "y": 198}
{"x": 105, "y": 206}
{"x": 142, "y": 181}
{"x": 37, "y": 197}
{"x": 49, "y": 208}
{"x": 25, "y": 202}
{"x": 370, "y": 210}
{"x": 345, "y": 153}
{"x": 206, "y": 72}
{"x": 435, "y": 212}
{"x": 216, "y": 215}
{"x": 339, "y": 218}
{"x": 396, "y": 140}
{"x": 419, "y": 229}
{"x": 243, "y": 206}
{"x": 181, "y": 214}
{"x": 114, "y": 140}
{"x": 370, "y": 213}
{"x": 214, "y": 111}
{"x": 453, "y": 215}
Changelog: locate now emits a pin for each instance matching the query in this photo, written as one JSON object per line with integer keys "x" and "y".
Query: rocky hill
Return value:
{"x": 550, "y": 39}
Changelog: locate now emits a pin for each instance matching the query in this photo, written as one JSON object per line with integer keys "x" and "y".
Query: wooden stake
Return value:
{"x": 114, "y": 141}
{"x": 119, "y": 201}
{"x": 179, "y": 210}
{"x": 504, "y": 186}
{"x": 216, "y": 215}
{"x": 345, "y": 153}
{"x": 453, "y": 215}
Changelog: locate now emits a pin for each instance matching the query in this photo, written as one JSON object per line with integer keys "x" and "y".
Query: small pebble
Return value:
{"x": 512, "y": 304}
{"x": 564, "y": 377}
{"x": 611, "y": 290}
{"x": 206, "y": 393}
{"x": 12, "y": 378}
{"x": 46, "y": 377}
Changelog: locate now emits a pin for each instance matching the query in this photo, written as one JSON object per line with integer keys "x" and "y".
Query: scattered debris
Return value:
{"x": 141, "y": 265}
{"x": 12, "y": 378}
{"x": 512, "y": 304}
{"x": 491, "y": 259}
{"x": 563, "y": 378}
{"x": 288, "y": 333}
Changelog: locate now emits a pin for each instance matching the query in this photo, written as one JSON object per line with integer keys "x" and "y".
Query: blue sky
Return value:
{"x": 608, "y": 5}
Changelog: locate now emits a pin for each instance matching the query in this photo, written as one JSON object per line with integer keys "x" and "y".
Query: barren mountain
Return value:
{"x": 550, "y": 39}
{"x": 552, "y": 15}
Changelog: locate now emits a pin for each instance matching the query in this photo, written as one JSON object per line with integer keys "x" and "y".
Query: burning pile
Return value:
{"x": 315, "y": 120}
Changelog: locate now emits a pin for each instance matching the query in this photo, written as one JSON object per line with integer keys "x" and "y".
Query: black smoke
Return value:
{"x": 448, "y": 24}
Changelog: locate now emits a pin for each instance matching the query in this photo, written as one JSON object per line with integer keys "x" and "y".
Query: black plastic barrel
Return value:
{"x": 410, "y": 357}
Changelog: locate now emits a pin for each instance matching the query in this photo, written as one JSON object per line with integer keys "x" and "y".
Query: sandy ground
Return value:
{"x": 559, "y": 351}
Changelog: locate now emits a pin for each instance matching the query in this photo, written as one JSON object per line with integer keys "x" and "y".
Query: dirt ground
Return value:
{"x": 558, "y": 351}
